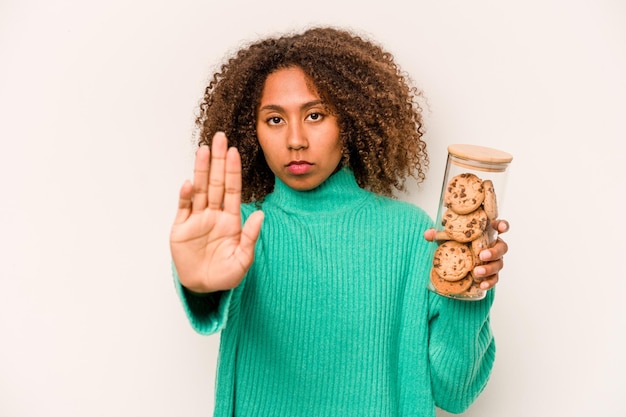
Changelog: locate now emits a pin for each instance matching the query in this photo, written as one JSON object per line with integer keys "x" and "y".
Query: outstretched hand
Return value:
{"x": 488, "y": 272}
{"x": 210, "y": 248}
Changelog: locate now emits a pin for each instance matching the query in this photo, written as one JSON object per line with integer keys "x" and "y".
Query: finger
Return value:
{"x": 489, "y": 282}
{"x": 200, "y": 179}
{"x": 184, "y": 202}
{"x": 486, "y": 271}
{"x": 252, "y": 229}
{"x": 249, "y": 236}
{"x": 497, "y": 251}
{"x": 432, "y": 235}
{"x": 216, "y": 171}
{"x": 500, "y": 226}
{"x": 232, "y": 186}
{"x": 503, "y": 226}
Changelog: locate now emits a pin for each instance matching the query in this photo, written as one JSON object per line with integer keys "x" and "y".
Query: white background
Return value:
{"x": 96, "y": 117}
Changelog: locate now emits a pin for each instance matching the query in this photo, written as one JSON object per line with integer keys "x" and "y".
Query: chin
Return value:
{"x": 302, "y": 185}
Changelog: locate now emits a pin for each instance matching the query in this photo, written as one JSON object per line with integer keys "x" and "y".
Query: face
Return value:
{"x": 298, "y": 135}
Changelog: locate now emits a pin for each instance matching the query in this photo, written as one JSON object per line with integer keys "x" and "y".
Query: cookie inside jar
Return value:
{"x": 468, "y": 206}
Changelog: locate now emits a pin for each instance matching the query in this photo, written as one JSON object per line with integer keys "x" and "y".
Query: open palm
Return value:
{"x": 210, "y": 248}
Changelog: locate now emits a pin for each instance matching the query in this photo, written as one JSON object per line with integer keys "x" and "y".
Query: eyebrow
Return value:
{"x": 275, "y": 107}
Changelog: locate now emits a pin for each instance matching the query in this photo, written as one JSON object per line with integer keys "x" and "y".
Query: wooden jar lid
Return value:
{"x": 479, "y": 157}
{"x": 480, "y": 153}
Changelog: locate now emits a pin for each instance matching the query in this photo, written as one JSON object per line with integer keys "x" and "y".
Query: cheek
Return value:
{"x": 338, "y": 145}
{"x": 268, "y": 151}
{"x": 336, "y": 148}
{"x": 261, "y": 138}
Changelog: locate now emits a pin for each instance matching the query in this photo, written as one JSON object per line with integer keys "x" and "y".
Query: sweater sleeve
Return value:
{"x": 207, "y": 313}
{"x": 461, "y": 349}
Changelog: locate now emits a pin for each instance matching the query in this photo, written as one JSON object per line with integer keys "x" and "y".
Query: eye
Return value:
{"x": 315, "y": 116}
{"x": 274, "y": 120}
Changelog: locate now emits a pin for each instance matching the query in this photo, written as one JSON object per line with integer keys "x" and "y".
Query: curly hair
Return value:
{"x": 378, "y": 111}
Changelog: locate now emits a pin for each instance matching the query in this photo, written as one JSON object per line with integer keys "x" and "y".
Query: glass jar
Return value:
{"x": 470, "y": 202}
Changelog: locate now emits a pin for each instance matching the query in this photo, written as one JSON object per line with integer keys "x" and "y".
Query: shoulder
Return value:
{"x": 401, "y": 225}
{"x": 401, "y": 209}
{"x": 397, "y": 217}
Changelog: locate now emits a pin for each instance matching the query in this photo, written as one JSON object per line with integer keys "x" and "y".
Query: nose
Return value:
{"x": 297, "y": 139}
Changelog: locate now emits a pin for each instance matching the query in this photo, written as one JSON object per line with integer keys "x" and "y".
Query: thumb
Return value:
{"x": 249, "y": 236}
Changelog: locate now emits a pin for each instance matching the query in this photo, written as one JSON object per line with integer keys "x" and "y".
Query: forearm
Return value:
{"x": 206, "y": 312}
{"x": 462, "y": 350}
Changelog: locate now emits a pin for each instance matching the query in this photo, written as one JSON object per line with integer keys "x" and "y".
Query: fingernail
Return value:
{"x": 484, "y": 285}
{"x": 485, "y": 255}
{"x": 479, "y": 270}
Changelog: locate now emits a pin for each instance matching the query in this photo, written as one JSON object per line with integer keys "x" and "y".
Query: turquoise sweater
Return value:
{"x": 334, "y": 318}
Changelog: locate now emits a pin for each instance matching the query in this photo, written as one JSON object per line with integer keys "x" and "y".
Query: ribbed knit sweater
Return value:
{"x": 334, "y": 317}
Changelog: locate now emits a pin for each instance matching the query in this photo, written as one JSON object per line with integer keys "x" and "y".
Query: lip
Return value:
{"x": 299, "y": 167}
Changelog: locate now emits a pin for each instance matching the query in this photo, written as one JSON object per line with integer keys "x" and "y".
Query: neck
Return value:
{"x": 339, "y": 192}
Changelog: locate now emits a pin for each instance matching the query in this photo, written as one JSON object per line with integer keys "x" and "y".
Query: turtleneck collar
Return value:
{"x": 338, "y": 193}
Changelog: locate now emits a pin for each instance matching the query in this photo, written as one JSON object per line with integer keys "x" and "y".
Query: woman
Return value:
{"x": 318, "y": 281}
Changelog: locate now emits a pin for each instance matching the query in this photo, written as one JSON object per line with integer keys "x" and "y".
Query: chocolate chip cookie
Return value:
{"x": 464, "y": 227}
{"x": 453, "y": 260}
{"x": 464, "y": 193}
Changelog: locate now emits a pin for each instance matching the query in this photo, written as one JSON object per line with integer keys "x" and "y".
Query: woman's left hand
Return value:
{"x": 488, "y": 272}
